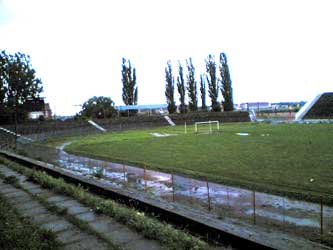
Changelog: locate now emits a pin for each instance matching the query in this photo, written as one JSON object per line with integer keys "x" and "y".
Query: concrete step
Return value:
{"x": 67, "y": 233}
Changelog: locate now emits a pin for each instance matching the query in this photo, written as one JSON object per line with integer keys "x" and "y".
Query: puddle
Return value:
{"x": 161, "y": 134}
{"x": 242, "y": 134}
{"x": 285, "y": 218}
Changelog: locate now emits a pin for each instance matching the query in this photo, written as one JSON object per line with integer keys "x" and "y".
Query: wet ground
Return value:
{"x": 274, "y": 212}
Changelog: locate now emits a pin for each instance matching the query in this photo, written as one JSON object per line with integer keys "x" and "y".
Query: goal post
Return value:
{"x": 211, "y": 125}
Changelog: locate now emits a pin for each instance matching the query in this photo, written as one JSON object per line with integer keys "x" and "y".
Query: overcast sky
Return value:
{"x": 277, "y": 50}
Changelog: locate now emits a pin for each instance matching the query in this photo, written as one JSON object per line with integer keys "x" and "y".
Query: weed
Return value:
{"x": 11, "y": 179}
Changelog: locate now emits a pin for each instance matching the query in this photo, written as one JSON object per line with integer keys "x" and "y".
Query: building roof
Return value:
{"x": 322, "y": 108}
{"x": 141, "y": 107}
{"x": 254, "y": 103}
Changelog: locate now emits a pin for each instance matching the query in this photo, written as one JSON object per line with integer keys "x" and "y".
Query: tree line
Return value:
{"x": 19, "y": 83}
{"x": 217, "y": 77}
{"x": 216, "y": 83}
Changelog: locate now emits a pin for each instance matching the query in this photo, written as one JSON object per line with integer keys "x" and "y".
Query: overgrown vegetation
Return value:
{"x": 151, "y": 228}
{"x": 18, "y": 233}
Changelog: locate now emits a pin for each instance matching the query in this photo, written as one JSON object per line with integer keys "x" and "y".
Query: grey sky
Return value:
{"x": 277, "y": 50}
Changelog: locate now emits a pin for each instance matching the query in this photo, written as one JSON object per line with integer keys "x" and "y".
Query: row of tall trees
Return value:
{"x": 217, "y": 78}
{"x": 216, "y": 83}
{"x": 186, "y": 85}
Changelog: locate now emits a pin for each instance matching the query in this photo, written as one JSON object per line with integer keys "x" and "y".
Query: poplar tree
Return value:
{"x": 213, "y": 88}
{"x": 181, "y": 88}
{"x": 169, "y": 88}
{"x": 130, "y": 89}
{"x": 226, "y": 88}
{"x": 203, "y": 93}
{"x": 3, "y": 77}
{"x": 191, "y": 86}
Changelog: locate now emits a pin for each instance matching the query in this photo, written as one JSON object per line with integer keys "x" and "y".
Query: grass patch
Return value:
{"x": 170, "y": 238}
{"x": 288, "y": 157}
{"x": 17, "y": 232}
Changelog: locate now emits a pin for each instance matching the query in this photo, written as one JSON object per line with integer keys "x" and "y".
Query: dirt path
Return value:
{"x": 75, "y": 225}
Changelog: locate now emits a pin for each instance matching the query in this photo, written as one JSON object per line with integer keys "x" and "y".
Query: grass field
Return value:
{"x": 272, "y": 157}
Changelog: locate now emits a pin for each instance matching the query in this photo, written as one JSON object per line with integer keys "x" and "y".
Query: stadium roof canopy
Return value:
{"x": 142, "y": 107}
{"x": 320, "y": 107}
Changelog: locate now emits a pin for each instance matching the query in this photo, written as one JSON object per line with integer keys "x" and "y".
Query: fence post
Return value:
{"x": 124, "y": 171}
{"x": 208, "y": 195}
{"x": 144, "y": 177}
{"x": 190, "y": 191}
{"x": 321, "y": 217}
{"x": 254, "y": 206}
{"x": 185, "y": 128}
{"x": 283, "y": 212}
{"x": 80, "y": 161}
{"x": 68, "y": 160}
{"x": 72, "y": 157}
{"x": 89, "y": 165}
{"x": 173, "y": 188}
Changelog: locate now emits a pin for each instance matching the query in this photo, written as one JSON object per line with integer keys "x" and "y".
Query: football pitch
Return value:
{"x": 273, "y": 157}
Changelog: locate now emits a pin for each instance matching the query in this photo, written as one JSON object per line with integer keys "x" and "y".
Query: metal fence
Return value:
{"x": 42, "y": 130}
{"x": 311, "y": 220}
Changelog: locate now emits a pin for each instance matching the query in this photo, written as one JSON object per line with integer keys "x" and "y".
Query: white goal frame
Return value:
{"x": 210, "y": 125}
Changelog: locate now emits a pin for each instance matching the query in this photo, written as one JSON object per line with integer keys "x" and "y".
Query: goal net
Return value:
{"x": 206, "y": 127}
